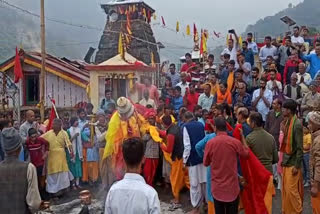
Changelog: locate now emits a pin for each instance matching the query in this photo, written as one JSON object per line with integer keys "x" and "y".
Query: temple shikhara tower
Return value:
{"x": 132, "y": 18}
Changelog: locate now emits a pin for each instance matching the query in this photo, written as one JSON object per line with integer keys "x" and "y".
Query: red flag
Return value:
{"x": 257, "y": 178}
{"x": 17, "y": 68}
{"x": 52, "y": 115}
{"x": 149, "y": 16}
{"x": 217, "y": 34}
{"x": 195, "y": 31}
{"x": 163, "y": 23}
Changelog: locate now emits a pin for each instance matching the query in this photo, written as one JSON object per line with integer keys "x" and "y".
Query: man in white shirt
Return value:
{"x": 252, "y": 45}
{"x": 274, "y": 85}
{"x": 205, "y": 100}
{"x": 183, "y": 84}
{"x": 296, "y": 39}
{"x": 132, "y": 195}
{"x": 146, "y": 101}
{"x": 193, "y": 132}
{"x": 304, "y": 78}
{"x": 268, "y": 50}
{"x": 232, "y": 49}
{"x": 262, "y": 99}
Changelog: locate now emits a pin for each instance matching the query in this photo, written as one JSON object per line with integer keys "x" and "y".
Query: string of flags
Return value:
{"x": 133, "y": 11}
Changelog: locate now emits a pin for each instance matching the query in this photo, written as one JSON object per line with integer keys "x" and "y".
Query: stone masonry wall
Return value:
{"x": 108, "y": 46}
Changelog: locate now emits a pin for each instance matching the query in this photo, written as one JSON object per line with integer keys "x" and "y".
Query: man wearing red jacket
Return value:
{"x": 292, "y": 65}
{"x": 187, "y": 67}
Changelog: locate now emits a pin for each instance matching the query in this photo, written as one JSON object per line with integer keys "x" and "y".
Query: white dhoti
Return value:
{"x": 166, "y": 170}
{"x": 58, "y": 181}
{"x": 198, "y": 179}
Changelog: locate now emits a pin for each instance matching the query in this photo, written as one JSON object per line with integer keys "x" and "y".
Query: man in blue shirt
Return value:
{"x": 251, "y": 44}
{"x": 248, "y": 53}
{"x": 177, "y": 101}
{"x": 314, "y": 60}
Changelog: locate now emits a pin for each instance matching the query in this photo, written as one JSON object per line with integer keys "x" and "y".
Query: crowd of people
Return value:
{"x": 230, "y": 133}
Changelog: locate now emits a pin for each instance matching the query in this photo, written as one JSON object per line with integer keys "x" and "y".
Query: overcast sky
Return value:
{"x": 214, "y": 15}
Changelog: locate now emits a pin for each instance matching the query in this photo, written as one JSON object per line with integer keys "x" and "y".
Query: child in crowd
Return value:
{"x": 74, "y": 163}
{"x": 306, "y": 152}
{"x": 92, "y": 154}
{"x": 38, "y": 150}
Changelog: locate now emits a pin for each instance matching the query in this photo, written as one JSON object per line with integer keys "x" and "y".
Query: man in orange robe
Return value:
{"x": 314, "y": 126}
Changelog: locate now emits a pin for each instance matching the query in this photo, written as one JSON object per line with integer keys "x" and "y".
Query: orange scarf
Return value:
{"x": 230, "y": 81}
{"x": 286, "y": 146}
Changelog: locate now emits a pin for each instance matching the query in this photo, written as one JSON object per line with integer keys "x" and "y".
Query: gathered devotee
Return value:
{"x": 58, "y": 174}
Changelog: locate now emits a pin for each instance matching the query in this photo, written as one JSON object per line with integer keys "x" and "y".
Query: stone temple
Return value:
{"x": 142, "y": 45}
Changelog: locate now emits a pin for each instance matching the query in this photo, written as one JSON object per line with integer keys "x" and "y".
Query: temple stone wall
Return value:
{"x": 108, "y": 46}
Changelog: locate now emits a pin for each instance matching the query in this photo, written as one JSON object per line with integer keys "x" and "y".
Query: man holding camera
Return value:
{"x": 233, "y": 47}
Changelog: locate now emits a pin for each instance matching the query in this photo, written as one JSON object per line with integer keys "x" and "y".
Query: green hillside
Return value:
{"x": 306, "y": 13}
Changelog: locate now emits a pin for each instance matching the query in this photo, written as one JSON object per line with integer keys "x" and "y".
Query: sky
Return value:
{"x": 214, "y": 15}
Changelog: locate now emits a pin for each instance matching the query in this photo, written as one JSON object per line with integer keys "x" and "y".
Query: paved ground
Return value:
{"x": 165, "y": 196}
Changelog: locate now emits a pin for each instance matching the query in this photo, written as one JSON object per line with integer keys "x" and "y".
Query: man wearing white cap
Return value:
{"x": 314, "y": 126}
{"x": 19, "y": 191}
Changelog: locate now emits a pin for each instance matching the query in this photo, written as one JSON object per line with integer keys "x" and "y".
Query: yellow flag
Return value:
{"x": 120, "y": 46}
{"x": 144, "y": 12}
{"x": 134, "y": 8}
{"x": 177, "y": 27}
{"x": 279, "y": 38}
{"x": 153, "y": 64}
{"x": 154, "y": 16}
{"x": 188, "y": 30}
{"x": 204, "y": 43}
{"x": 88, "y": 90}
{"x": 227, "y": 40}
{"x": 240, "y": 41}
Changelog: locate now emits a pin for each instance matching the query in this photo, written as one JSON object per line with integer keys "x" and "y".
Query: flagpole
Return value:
{"x": 43, "y": 62}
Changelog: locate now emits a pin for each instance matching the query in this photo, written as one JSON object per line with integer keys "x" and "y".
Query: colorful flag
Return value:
{"x": 195, "y": 33}
{"x": 177, "y": 27}
{"x": 240, "y": 41}
{"x": 149, "y": 16}
{"x": 144, "y": 12}
{"x": 163, "y": 22}
{"x": 188, "y": 30}
{"x": 53, "y": 114}
{"x": 153, "y": 64}
{"x": 129, "y": 24}
{"x": 17, "y": 68}
{"x": 120, "y": 46}
{"x": 216, "y": 34}
{"x": 120, "y": 9}
{"x": 203, "y": 43}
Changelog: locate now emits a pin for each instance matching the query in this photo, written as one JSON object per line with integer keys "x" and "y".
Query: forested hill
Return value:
{"x": 306, "y": 13}
{"x": 17, "y": 29}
